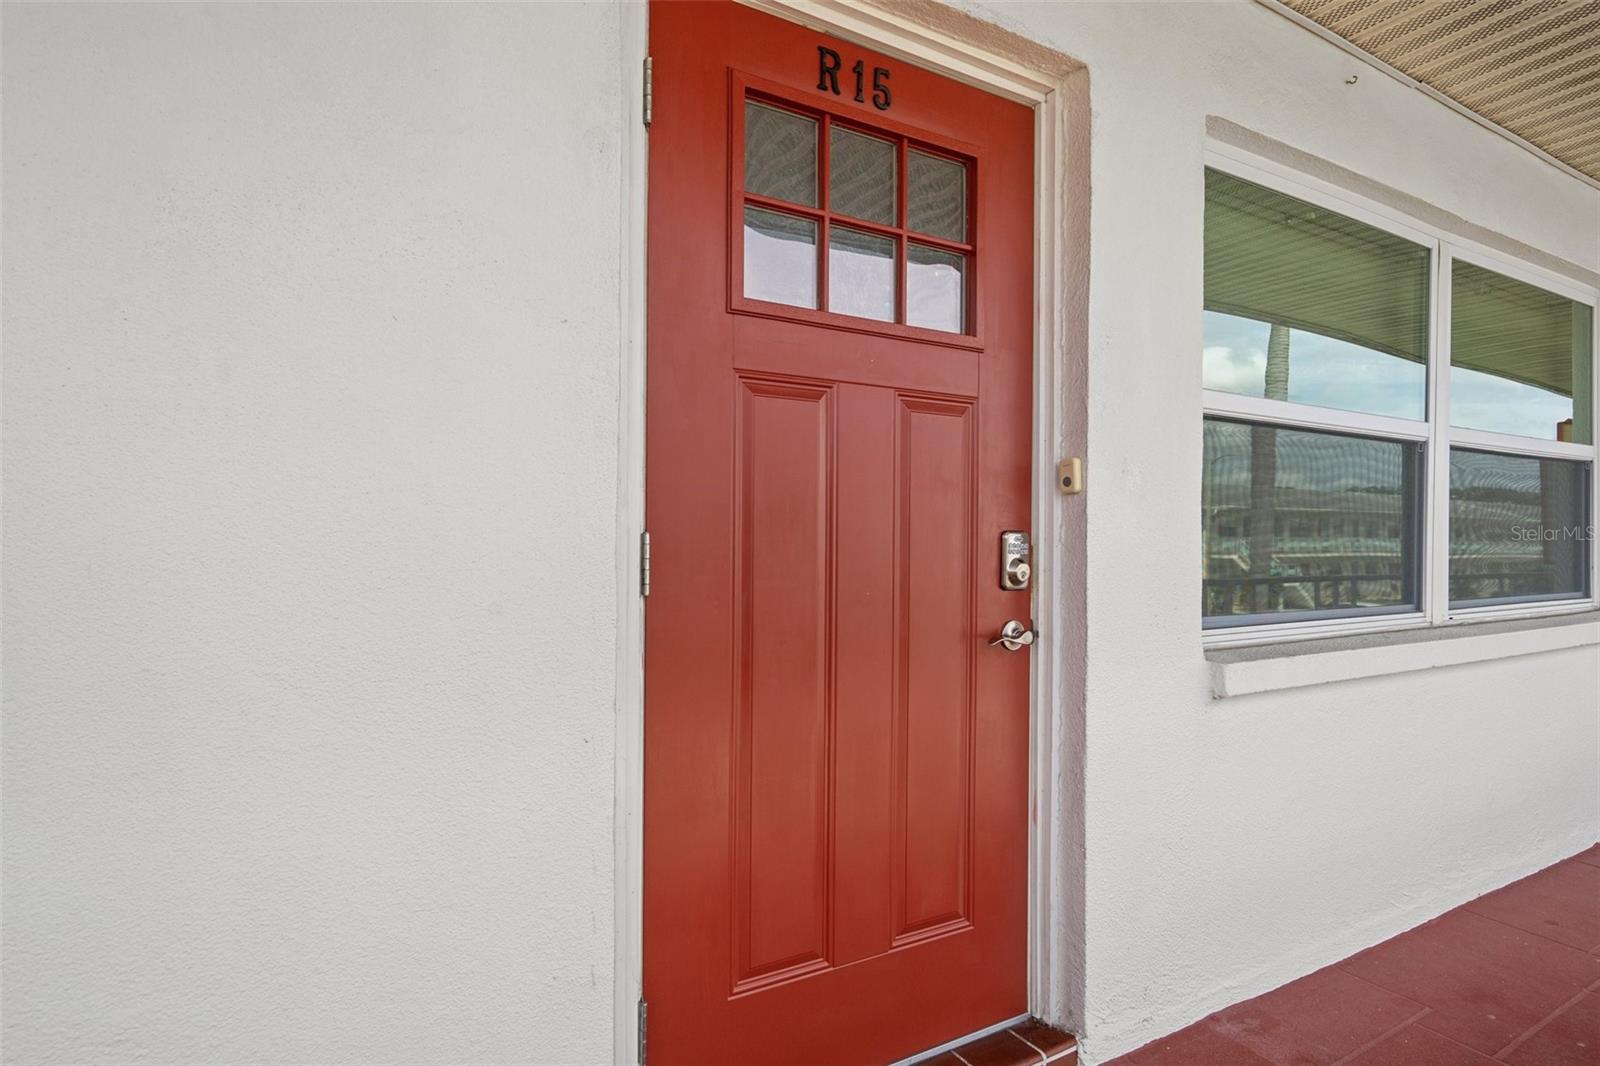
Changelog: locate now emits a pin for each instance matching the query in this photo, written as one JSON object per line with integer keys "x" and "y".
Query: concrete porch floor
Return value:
{"x": 1512, "y": 978}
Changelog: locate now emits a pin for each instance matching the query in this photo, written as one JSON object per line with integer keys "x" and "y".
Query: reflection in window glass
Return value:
{"x": 860, "y": 274}
{"x": 1295, "y": 522}
{"x": 1310, "y": 368}
{"x": 780, "y": 154}
{"x": 1304, "y": 304}
{"x": 936, "y": 196}
{"x": 780, "y": 258}
{"x": 861, "y": 179}
{"x": 936, "y": 295}
{"x": 1520, "y": 358}
{"x": 1517, "y": 528}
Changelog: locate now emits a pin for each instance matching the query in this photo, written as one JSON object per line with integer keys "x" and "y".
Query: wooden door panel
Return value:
{"x": 763, "y": 345}
{"x": 835, "y": 760}
{"x": 783, "y": 572}
{"x": 934, "y": 715}
{"x": 865, "y": 690}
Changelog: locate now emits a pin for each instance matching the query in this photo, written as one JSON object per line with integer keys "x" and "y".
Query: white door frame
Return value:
{"x": 1055, "y": 86}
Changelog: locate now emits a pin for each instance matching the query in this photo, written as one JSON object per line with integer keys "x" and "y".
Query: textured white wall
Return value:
{"x": 311, "y": 333}
{"x": 1234, "y": 845}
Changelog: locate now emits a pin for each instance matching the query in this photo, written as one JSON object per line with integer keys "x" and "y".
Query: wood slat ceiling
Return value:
{"x": 1530, "y": 66}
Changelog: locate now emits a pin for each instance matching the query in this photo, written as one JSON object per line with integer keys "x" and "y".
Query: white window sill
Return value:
{"x": 1267, "y": 668}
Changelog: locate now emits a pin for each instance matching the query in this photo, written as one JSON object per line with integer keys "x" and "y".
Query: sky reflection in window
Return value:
{"x": 1322, "y": 372}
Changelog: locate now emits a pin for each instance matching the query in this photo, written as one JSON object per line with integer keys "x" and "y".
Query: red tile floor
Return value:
{"x": 1511, "y": 978}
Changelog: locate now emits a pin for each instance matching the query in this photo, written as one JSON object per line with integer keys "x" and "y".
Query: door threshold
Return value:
{"x": 1019, "y": 1041}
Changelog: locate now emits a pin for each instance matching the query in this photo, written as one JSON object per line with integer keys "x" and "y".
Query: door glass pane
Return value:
{"x": 936, "y": 294}
{"x": 1308, "y": 524}
{"x": 861, "y": 179}
{"x": 780, "y": 258}
{"x": 1517, "y": 528}
{"x": 936, "y": 196}
{"x": 1304, "y": 304}
{"x": 860, "y": 274}
{"x": 1520, "y": 358}
{"x": 780, "y": 154}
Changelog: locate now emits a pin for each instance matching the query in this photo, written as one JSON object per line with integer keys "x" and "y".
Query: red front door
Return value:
{"x": 838, "y": 432}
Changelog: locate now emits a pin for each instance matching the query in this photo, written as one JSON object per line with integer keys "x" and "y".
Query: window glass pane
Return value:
{"x": 936, "y": 294}
{"x": 1517, "y": 528}
{"x": 1520, "y": 358}
{"x": 780, "y": 154}
{"x": 860, "y": 274}
{"x": 936, "y": 196}
{"x": 780, "y": 258}
{"x": 1255, "y": 358}
{"x": 1295, "y": 523}
{"x": 1304, "y": 304}
{"x": 861, "y": 179}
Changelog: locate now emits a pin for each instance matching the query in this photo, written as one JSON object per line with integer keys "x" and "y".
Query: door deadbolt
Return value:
{"x": 1016, "y": 565}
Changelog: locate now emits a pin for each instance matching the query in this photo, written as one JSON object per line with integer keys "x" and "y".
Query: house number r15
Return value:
{"x": 828, "y": 67}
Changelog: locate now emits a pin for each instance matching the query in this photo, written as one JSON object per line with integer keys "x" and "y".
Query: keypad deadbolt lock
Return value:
{"x": 1016, "y": 563}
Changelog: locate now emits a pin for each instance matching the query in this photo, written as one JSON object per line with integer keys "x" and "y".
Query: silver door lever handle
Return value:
{"x": 1013, "y": 636}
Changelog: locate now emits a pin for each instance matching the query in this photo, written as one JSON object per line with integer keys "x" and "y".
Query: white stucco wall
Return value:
{"x": 1233, "y": 845}
{"x": 311, "y": 332}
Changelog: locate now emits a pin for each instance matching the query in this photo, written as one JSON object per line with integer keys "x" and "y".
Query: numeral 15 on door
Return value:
{"x": 829, "y": 65}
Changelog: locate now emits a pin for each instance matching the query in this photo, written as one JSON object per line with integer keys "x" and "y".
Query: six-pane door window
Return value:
{"x": 1322, "y": 422}
{"x": 854, "y": 221}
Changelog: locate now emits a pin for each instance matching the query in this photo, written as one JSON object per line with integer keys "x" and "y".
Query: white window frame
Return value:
{"x": 1435, "y": 433}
